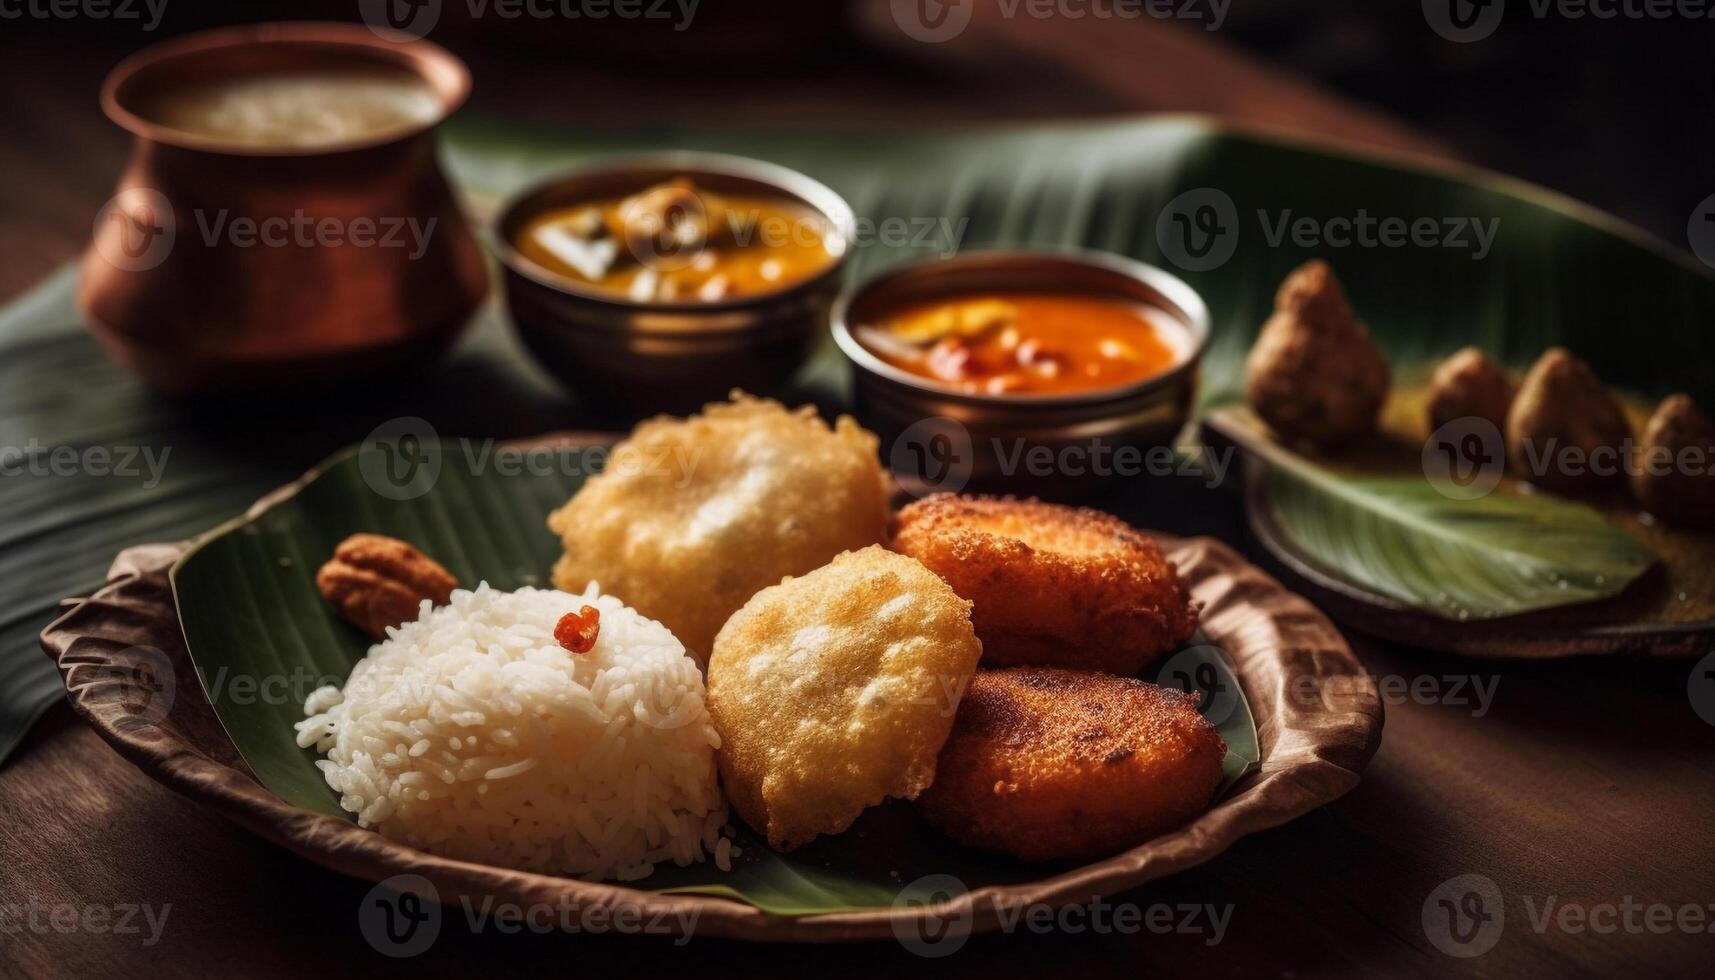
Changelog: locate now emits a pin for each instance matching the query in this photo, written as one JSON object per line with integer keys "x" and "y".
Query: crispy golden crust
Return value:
{"x": 834, "y": 691}
{"x": 1048, "y": 764}
{"x": 1316, "y": 375}
{"x": 1052, "y": 585}
{"x": 692, "y": 516}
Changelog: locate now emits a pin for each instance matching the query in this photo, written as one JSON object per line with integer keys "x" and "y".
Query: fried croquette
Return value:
{"x": 1048, "y": 764}
{"x": 834, "y": 691}
{"x": 1673, "y": 479}
{"x": 1563, "y": 423}
{"x": 1051, "y": 585}
{"x": 691, "y": 517}
{"x": 1316, "y": 375}
{"x": 1470, "y": 384}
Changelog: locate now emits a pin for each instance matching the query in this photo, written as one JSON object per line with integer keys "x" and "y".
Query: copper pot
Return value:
{"x": 219, "y": 264}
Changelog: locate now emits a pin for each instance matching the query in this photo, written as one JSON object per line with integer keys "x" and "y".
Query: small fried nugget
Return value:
{"x": 1053, "y": 586}
{"x": 1048, "y": 764}
{"x": 692, "y": 516}
{"x": 834, "y": 691}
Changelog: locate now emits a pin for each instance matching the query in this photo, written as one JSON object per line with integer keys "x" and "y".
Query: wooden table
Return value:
{"x": 1582, "y": 783}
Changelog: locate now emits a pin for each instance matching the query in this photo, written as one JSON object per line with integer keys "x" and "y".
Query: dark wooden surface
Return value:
{"x": 1584, "y": 783}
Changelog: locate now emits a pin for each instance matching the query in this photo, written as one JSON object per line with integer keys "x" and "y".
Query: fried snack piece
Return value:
{"x": 1047, "y": 764}
{"x": 1565, "y": 432}
{"x": 1675, "y": 476}
{"x": 1470, "y": 385}
{"x": 691, "y": 517}
{"x": 1052, "y": 585}
{"x": 1315, "y": 373}
{"x": 834, "y": 691}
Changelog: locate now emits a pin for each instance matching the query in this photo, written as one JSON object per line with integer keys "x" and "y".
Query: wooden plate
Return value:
{"x": 1631, "y": 623}
{"x": 1316, "y": 711}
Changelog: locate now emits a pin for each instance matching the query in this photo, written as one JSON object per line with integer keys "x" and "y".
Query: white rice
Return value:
{"x": 473, "y": 734}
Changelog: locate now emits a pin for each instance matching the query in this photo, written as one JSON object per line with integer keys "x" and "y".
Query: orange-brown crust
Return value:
{"x": 1047, "y": 764}
{"x": 1051, "y": 585}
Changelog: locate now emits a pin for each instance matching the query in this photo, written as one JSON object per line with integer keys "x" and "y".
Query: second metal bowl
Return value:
{"x": 940, "y": 439}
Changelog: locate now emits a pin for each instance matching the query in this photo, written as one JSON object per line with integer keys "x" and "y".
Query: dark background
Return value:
{"x": 1613, "y": 112}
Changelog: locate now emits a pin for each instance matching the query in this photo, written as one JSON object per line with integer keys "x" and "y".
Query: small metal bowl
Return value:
{"x": 627, "y": 358}
{"x": 940, "y": 439}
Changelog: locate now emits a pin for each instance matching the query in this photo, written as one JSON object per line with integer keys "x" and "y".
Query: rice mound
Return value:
{"x": 473, "y": 734}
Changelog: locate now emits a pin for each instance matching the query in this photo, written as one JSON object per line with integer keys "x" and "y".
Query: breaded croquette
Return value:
{"x": 692, "y": 516}
{"x": 1047, "y": 764}
{"x": 1052, "y": 585}
{"x": 834, "y": 691}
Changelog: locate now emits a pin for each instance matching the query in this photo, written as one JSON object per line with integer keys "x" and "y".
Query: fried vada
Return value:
{"x": 1047, "y": 764}
{"x": 692, "y": 516}
{"x": 1051, "y": 585}
{"x": 833, "y": 691}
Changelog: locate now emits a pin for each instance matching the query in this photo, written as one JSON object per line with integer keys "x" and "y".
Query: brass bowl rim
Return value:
{"x": 790, "y": 183}
{"x": 444, "y": 73}
{"x": 1174, "y": 291}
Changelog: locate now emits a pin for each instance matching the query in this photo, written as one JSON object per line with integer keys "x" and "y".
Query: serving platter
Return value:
{"x": 1664, "y": 612}
{"x": 236, "y": 609}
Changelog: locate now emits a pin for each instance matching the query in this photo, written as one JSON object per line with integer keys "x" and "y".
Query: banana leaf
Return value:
{"x": 1554, "y": 272}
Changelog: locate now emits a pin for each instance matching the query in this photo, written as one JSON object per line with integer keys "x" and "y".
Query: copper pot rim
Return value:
{"x": 1176, "y": 295}
{"x": 782, "y": 179}
{"x": 445, "y": 74}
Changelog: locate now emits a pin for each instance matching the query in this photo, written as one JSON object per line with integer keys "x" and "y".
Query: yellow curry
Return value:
{"x": 676, "y": 243}
{"x": 1026, "y": 343}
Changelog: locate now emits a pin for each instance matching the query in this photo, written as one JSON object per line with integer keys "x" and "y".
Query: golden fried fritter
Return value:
{"x": 1316, "y": 375}
{"x": 1055, "y": 586}
{"x": 1470, "y": 385}
{"x": 691, "y": 517}
{"x": 1674, "y": 478}
{"x": 834, "y": 691}
{"x": 1565, "y": 431}
{"x": 1048, "y": 764}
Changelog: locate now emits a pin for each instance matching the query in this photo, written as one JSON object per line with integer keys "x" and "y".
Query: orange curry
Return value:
{"x": 679, "y": 243}
{"x": 1026, "y": 343}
